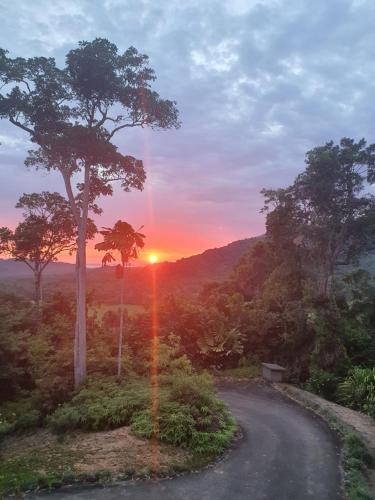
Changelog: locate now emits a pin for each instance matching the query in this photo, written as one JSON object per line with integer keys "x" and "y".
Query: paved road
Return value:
{"x": 286, "y": 453}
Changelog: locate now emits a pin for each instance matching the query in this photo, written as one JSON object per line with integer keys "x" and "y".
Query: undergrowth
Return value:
{"x": 186, "y": 412}
{"x": 357, "y": 460}
{"x": 241, "y": 372}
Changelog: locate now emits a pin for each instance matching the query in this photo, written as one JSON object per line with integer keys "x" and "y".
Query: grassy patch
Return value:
{"x": 242, "y": 372}
{"x": 34, "y": 470}
{"x": 357, "y": 460}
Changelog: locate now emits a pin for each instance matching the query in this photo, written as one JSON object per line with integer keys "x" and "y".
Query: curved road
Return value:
{"x": 286, "y": 453}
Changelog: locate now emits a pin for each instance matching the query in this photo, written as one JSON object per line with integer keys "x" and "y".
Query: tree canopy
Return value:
{"x": 72, "y": 115}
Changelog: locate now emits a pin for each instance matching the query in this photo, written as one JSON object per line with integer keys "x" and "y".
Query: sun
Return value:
{"x": 153, "y": 258}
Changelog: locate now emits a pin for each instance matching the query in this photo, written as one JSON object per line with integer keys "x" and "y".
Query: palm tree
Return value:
{"x": 125, "y": 240}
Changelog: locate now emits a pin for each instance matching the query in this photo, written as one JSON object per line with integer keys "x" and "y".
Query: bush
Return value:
{"x": 28, "y": 420}
{"x": 358, "y": 390}
{"x": 189, "y": 414}
{"x": 356, "y": 449}
{"x": 18, "y": 416}
{"x": 101, "y": 405}
{"x": 175, "y": 424}
{"x": 142, "y": 425}
{"x": 323, "y": 383}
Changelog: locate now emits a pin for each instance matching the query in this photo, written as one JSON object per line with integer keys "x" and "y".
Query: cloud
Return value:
{"x": 258, "y": 83}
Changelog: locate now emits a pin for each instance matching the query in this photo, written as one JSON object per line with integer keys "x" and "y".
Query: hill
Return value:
{"x": 185, "y": 276}
{"x": 12, "y": 269}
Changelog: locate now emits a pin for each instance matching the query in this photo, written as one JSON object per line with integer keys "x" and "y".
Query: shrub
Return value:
{"x": 189, "y": 414}
{"x": 142, "y": 424}
{"x": 196, "y": 390}
{"x": 323, "y": 383}
{"x": 358, "y": 390}
{"x": 101, "y": 405}
{"x": 175, "y": 424}
{"x": 356, "y": 449}
{"x": 18, "y": 416}
{"x": 63, "y": 419}
{"x": 28, "y": 420}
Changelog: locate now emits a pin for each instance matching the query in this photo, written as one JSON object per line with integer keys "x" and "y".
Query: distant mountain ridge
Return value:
{"x": 185, "y": 276}
{"x": 10, "y": 268}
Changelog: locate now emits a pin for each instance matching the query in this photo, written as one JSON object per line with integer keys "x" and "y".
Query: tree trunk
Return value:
{"x": 80, "y": 332}
{"x": 37, "y": 286}
{"x": 77, "y": 379}
{"x": 80, "y": 369}
{"x": 119, "y": 355}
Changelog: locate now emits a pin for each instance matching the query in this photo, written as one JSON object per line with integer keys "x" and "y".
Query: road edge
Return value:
{"x": 326, "y": 410}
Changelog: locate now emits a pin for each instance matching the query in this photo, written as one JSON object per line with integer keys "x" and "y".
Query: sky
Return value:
{"x": 257, "y": 83}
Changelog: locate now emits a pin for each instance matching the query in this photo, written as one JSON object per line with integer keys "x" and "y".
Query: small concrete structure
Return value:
{"x": 272, "y": 372}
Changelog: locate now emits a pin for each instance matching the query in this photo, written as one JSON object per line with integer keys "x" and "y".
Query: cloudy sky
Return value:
{"x": 257, "y": 82}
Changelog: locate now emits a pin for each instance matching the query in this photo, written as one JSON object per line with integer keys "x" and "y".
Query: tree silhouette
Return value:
{"x": 124, "y": 239}
{"x": 47, "y": 230}
{"x": 72, "y": 115}
{"x": 327, "y": 215}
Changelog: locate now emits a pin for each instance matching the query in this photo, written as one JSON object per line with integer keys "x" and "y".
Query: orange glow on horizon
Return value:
{"x": 153, "y": 258}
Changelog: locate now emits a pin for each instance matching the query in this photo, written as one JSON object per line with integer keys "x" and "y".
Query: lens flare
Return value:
{"x": 154, "y": 375}
{"x": 153, "y": 258}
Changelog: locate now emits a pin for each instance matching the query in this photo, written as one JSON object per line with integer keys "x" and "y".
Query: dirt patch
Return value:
{"x": 116, "y": 451}
{"x": 20, "y": 445}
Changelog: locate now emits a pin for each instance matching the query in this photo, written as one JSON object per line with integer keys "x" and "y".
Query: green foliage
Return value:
{"x": 187, "y": 411}
{"x": 176, "y": 424}
{"x": 253, "y": 269}
{"x": 356, "y": 461}
{"x": 17, "y": 320}
{"x": 241, "y": 372}
{"x": 357, "y": 390}
{"x": 33, "y": 470}
{"x": 101, "y": 405}
{"x": 323, "y": 383}
{"x": 142, "y": 424}
{"x": 19, "y": 415}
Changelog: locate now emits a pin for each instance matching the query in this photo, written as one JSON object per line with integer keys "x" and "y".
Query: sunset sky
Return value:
{"x": 257, "y": 83}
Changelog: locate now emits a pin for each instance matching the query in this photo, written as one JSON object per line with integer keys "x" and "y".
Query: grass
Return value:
{"x": 132, "y": 309}
{"x": 357, "y": 460}
{"x": 34, "y": 470}
{"x": 240, "y": 373}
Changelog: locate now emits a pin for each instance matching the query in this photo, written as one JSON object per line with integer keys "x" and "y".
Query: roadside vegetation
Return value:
{"x": 357, "y": 461}
{"x": 42, "y": 416}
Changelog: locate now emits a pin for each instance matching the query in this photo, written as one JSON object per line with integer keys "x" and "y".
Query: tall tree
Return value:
{"x": 328, "y": 213}
{"x": 47, "y": 230}
{"x": 73, "y": 114}
{"x": 125, "y": 240}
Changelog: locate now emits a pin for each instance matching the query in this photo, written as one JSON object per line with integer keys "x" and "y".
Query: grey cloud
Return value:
{"x": 258, "y": 83}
